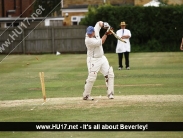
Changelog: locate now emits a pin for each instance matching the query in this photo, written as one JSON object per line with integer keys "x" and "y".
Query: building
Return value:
{"x": 13, "y": 12}
{"x": 15, "y": 8}
{"x": 11, "y": 9}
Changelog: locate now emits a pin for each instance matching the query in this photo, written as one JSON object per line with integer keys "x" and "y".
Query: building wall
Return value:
{"x": 67, "y": 20}
{"x": 8, "y": 5}
{"x": 19, "y": 6}
{"x": 141, "y": 2}
{"x": 25, "y": 5}
{"x": 67, "y": 3}
{"x": 1, "y": 8}
{"x": 175, "y": 2}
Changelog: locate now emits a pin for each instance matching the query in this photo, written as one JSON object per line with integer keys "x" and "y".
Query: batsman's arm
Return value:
{"x": 104, "y": 37}
{"x": 98, "y": 26}
{"x": 103, "y": 24}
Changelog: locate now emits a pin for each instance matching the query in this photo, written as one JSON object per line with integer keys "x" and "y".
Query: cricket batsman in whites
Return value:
{"x": 96, "y": 60}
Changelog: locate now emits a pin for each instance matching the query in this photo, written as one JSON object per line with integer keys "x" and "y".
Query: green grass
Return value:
{"x": 151, "y": 74}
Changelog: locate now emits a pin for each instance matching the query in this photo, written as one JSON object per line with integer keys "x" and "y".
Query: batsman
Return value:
{"x": 96, "y": 60}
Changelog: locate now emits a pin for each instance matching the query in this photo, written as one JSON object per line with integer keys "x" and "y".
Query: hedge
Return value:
{"x": 156, "y": 29}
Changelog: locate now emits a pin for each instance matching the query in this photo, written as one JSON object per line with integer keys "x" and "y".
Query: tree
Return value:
{"x": 50, "y": 6}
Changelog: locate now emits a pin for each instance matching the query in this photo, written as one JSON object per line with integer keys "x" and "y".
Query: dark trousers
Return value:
{"x": 120, "y": 59}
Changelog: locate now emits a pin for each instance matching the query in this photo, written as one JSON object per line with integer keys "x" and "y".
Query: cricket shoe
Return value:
{"x": 88, "y": 98}
{"x": 110, "y": 96}
{"x": 120, "y": 68}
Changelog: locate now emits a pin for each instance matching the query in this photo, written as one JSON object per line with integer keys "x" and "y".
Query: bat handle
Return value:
{"x": 109, "y": 29}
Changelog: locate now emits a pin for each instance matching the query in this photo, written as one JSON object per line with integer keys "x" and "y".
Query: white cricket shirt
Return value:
{"x": 94, "y": 45}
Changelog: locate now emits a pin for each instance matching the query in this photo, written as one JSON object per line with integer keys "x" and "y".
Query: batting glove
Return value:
{"x": 108, "y": 32}
{"x": 106, "y": 25}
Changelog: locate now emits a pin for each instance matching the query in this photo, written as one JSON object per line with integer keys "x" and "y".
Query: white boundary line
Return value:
{"x": 28, "y": 34}
{"x": 17, "y": 18}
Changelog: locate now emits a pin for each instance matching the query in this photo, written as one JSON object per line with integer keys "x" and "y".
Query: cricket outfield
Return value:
{"x": 150, "y": 92}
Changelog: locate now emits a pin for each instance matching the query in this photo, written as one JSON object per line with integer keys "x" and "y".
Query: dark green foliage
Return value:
{"x": 50, "y": 6}
{"x": 153, "y": 28}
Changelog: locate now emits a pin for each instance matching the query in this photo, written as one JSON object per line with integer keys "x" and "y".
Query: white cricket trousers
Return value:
{"x": 94, "y": 66}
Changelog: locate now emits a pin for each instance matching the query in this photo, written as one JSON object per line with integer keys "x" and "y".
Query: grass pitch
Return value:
{"x": 151, "y": 91}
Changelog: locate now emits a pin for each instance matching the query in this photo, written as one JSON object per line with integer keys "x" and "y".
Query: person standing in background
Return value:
{"x": 123, "y": 47}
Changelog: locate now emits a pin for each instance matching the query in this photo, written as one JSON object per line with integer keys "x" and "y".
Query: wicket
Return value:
{"x": 41, "y": 75}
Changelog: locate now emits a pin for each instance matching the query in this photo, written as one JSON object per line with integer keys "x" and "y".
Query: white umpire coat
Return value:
{"x": 121, "y": 46}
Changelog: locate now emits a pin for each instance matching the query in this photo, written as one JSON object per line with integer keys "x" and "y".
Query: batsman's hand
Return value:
{"x": 108, "y": 32}
{"x": 106, "y": 25}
